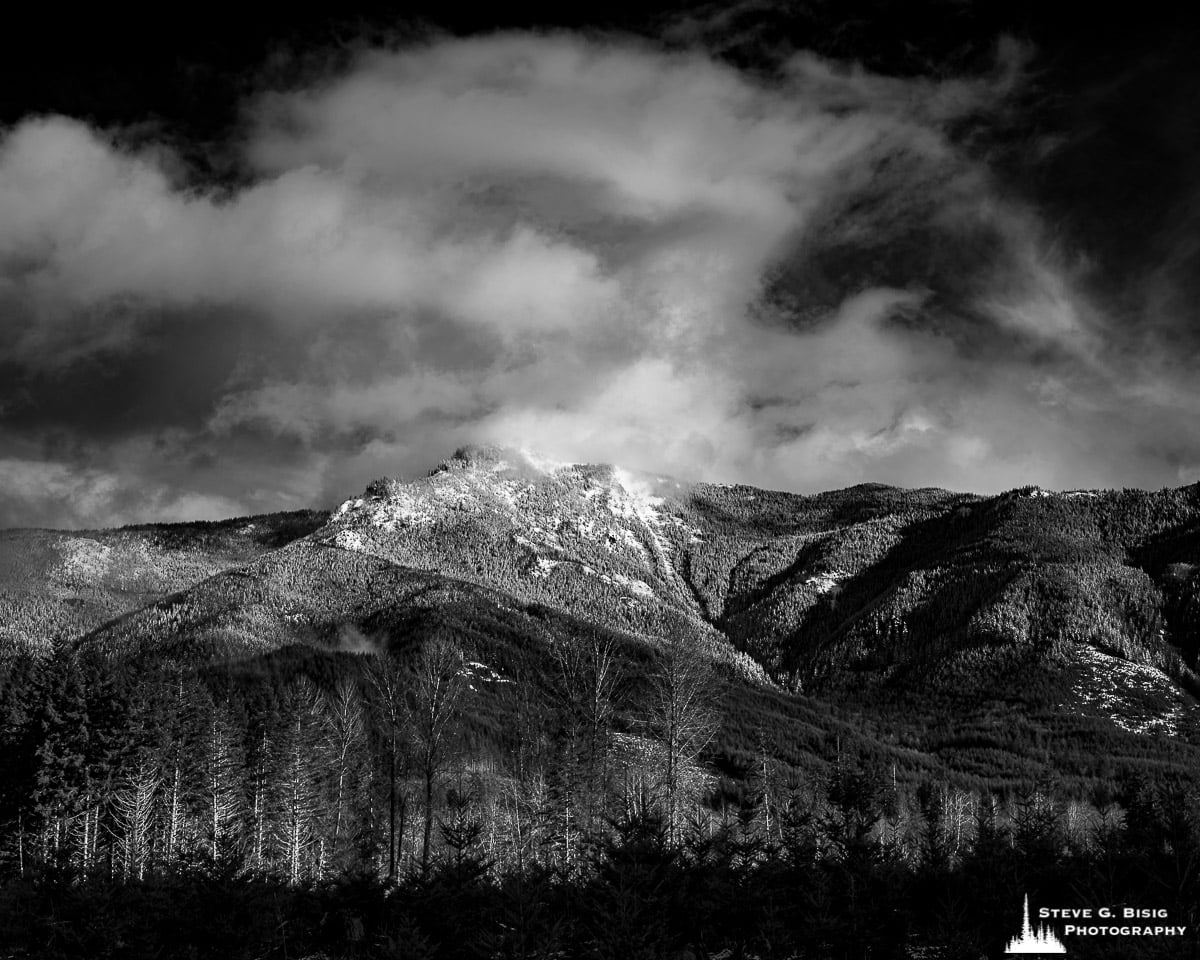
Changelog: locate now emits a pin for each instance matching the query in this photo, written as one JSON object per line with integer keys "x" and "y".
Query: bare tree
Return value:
{"x": 766, "y": 773}
{"x": 341, "y": 713}
{"x": 591, "y": 677}
{"x": 260, "y": 786}
{"x": 222, "y": 796}
{"x": 530, "y": 724}
{"x": 84, "y": 828}
{"x": 438, "y": 691}
{"x": 133, "y": 807}
{"x": 298, "y": 793}
{"x": 683, "y": 693}
{"x": 389, "y": 683}
{"x": 960, "y": 814}
{"x": 177, "y": 750}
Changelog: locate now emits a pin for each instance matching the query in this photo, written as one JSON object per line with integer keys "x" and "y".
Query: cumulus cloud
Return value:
{"x": 595, "y": 248}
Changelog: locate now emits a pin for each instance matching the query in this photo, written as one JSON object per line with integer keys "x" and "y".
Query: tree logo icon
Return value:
{"x": 1039, "y": 940}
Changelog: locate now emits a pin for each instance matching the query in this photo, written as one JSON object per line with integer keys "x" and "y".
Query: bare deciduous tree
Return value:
{"x": 297, "y": 791}
{"x": 683, "y": 714}
{"x": 389, "y": 683}
{"x": 591, "y": 677}
{"x": 222, "y": 796}
{"x": 438, "y": 690}
{"x": 134, "y": 808}
{"x": 341, "y": 713}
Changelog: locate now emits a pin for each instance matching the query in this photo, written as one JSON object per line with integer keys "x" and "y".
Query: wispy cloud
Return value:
{"x": 596, "y": 248}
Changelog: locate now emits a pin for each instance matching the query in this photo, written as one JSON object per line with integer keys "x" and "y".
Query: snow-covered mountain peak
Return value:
{"x": 491, "y": 459}
{"x": 569, "y": 535}
{"x": 516, "y": 488}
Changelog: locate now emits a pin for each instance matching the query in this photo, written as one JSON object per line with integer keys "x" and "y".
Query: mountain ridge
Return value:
{"x": 1078, "y": 610}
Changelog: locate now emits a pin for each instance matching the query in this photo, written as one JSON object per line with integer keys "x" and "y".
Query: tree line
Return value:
{"x": 359, "y": 764}
{"x": 416, "y": 803}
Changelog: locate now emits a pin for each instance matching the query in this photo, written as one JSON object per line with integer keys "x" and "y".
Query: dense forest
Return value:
{"x": 412, "y": 803}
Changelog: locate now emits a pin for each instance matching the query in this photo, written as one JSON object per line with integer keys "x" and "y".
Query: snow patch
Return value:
{"x": 824, "y": 582}
{"x": 549, "y": 537}
{"x": 1111, "y": 683}
{"x": 400, "y": 508}
{"x": 632, "y": 499}
{"x": 350, "y": 540}
{"x": 543, "y": 568}
{"x": 354, "y": 503}
{"x": 629, "y": 538}
{"x": 639, "y": 587}
{"x": 82, "y": 558}
{"x": 693, "y": 534}
{"x": 481, "y": 671}
{"x": 508, "y": 494}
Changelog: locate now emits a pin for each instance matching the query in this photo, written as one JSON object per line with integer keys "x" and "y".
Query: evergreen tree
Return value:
{"x": 61, "y": 782}
{"x": 19, "y": 679}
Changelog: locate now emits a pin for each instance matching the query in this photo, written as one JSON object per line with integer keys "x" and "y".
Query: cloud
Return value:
{"x": 52, "y": 493}
{"x": 352, "y": 640}
{"x": 592, "y": 247}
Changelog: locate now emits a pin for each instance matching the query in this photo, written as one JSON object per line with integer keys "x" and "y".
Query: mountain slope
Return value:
{"x": 56, "y": 586}
{"x": 871, "y": 589}
{"x": 934, "y": 617}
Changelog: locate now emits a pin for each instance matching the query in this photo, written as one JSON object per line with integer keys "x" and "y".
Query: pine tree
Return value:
{"x": 18, "y": 745}
{"x": 60, "y": 729}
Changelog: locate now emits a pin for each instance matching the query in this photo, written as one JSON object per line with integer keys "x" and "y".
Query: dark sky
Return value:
{"x": 251, "y": 259}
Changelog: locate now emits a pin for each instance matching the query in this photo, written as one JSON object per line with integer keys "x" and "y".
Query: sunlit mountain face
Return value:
{"x": 942, "y": 244}
{"x": 930, "y": 612}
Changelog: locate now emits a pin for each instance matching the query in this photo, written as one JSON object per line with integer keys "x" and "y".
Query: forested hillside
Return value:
{"x": 417, "y": 803}
{"x": 1002, "y": 637}
{"x": 514, "y": 683}
{"x": 56, "y": 586}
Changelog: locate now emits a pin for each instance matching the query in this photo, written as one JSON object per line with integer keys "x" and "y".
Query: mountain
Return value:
{"x": 1009, "y": 636}
{"x": 57, "y": 585}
